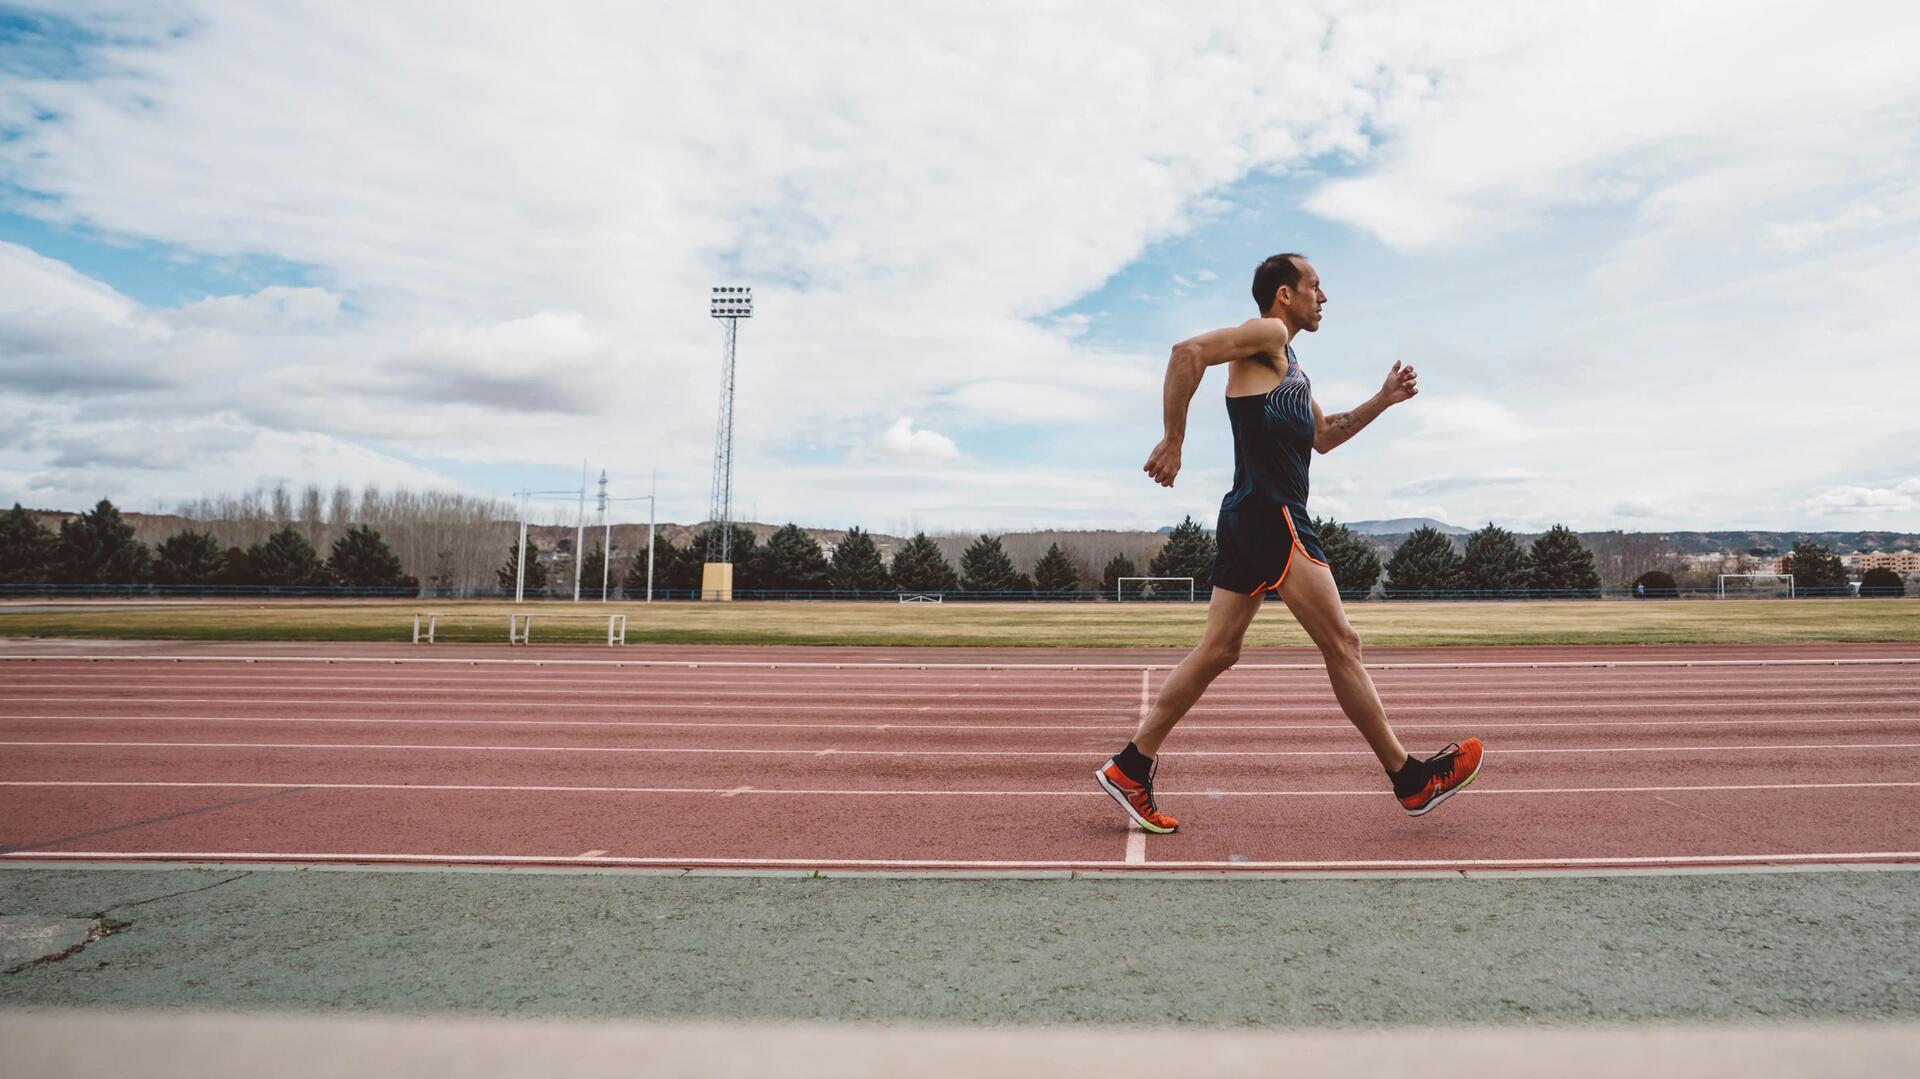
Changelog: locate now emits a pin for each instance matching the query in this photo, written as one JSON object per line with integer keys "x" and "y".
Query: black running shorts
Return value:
{"x": 1257, "y": 545}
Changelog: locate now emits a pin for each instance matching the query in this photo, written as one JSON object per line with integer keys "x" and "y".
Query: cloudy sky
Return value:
{"x": 1654, "y": 261}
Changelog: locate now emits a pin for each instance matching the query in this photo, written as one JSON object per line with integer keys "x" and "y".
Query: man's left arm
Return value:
{"x": 1330, "y": 431}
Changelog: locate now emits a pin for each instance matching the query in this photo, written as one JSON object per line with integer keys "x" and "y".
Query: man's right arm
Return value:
{"x": 1185, "y": 368}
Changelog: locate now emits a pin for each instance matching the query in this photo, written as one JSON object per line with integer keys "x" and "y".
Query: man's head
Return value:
{"x": 1288, "y": 288}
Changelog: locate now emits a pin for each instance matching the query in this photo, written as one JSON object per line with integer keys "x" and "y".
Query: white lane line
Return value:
{"x": 722, "y": 706}
{"x": 558, "y": 661}
{"x": 1655, "y": 860}
{"x": 1116, "y": 725}
{"x": 797, "y": 751}
{"x": 1136, "y": 844}
{"x": 1006, "y": 682}
{"x": 591, "y": 854}
{"x": 1476, "y": 791}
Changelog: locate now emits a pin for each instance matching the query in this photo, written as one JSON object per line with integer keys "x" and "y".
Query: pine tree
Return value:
{"x": 673, "y": 570}
{"x": 287, "y": 560}
{"x": 236, "y": 569}
{"x": 187, "y": 558}
{"x": 508, "y": 575}
{"x": 1356, "y": 568}
{"x": 362, "y": 559}
{"x": 1424, "y": 563}
{"x": 920, "y": 567}
{"x": 985, "y": 567}
{"x": 1117, "y": 567}
{"x": 1494, "y": 563}
{"x": 1562, "y": 566}
{"x": 593, "y": 571}
{"x": 1055, "y": 572}
{"x": 98, "y": 547}
{"x": 1816, "y": 570}
{"x": 1882, "y": 582}
{"x": 856, "y": 564}
{"x": 27, "y": 548}
{"x": 1188, "y": 553}
{"x": 792, "y": 559}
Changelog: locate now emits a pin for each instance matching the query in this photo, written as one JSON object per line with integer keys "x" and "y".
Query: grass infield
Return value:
{"x": 1080, "y": 625}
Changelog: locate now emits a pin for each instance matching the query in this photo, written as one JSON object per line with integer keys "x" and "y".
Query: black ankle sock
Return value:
{"x": 1410, "y": 778}
{"x": 1137, "y": 765}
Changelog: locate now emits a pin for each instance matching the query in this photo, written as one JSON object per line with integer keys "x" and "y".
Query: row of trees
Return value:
{"x": 99, "y": 547}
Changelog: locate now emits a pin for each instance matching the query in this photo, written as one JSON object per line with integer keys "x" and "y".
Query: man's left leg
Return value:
{"x": 1314, "y": 601}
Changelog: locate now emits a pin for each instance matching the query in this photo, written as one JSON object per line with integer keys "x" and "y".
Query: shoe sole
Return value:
{"x": 1117, "y": 795}
{"x": 1448, "y": 793}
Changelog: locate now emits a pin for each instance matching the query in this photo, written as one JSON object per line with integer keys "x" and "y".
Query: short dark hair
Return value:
{"x": 1278, "y": 270}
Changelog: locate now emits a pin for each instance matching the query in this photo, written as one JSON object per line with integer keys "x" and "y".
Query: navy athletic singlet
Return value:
{"x": 1263, "y": 519}
{"x": 1272, "y": 443}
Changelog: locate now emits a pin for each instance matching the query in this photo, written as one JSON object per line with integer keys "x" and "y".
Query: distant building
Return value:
{"x": 1904, "y": 563}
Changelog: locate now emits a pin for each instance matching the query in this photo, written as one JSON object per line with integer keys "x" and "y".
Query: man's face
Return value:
{"x": 1303, "y": 304}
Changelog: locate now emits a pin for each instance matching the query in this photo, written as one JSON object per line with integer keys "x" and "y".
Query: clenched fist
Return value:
{"x": 1163, "y": 464}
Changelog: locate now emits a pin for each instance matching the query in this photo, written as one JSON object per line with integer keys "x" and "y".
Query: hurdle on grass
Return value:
{"x": 1120, "y": 587}
{"x": 520, "y": 629}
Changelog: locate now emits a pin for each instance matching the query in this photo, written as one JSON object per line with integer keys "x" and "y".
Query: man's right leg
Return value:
{"x": 1128, "y": 776}
{"x": 1228, "y": 616}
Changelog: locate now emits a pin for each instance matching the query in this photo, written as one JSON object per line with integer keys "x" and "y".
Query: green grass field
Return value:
{"x": 983, "y": 624}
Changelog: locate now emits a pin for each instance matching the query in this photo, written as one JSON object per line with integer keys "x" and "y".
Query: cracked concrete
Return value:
{"x": 1842, "y": 945}
{"x": 29, "y": 940}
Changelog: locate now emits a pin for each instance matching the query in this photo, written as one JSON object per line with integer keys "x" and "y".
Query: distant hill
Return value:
{"x": 1401, "y": 525}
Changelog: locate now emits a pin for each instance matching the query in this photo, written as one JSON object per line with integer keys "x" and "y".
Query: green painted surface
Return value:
{"x": 1249, "y": 951}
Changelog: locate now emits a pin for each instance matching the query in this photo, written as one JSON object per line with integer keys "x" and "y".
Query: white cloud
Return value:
{"x": 514, "y": 223}
{"x": 1904, "y": 495}
{"x": 901, "y": 440}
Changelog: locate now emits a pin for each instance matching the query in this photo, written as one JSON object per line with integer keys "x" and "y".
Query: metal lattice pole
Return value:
{"x": 730, "y": 303}
{"x": 721, "y": 511}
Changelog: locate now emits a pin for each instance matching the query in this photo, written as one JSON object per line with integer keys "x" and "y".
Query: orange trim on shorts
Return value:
{"x": 1297, "y": 546}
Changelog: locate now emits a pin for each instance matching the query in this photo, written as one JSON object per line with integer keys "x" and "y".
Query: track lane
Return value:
{"x": 1267, "y": 758}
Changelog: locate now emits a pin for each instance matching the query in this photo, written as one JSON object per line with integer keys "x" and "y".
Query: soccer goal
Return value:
{"x": 920, "y": 597}
{"x": 1146, "y": 589}
{"x": 1756, "y": 585}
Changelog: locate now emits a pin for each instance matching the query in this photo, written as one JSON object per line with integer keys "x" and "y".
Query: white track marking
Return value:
{"x": 1226, "y": 689}
{"x": 1450, "y": 864}
{"x": 1375, "y": 792}
{"x": 695, "y": 751}
{"x": 970, "y": 692}
{"x": 695, "y": 664}
{"x": 723, "y": 706}
{"x": 909, "y": 727}
{"x": 1136, "y": 844}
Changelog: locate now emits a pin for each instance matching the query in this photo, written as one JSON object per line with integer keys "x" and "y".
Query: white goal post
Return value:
{"x": 920, "y": 597}
{"x": 1120, "y": 586}
{"x": 1725, "y": 577}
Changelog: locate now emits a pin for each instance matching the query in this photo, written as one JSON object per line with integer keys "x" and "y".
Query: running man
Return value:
{"x": 1266, "y": 540}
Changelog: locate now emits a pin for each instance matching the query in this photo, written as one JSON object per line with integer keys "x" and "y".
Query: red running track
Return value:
{"x": 1669, "y": 758}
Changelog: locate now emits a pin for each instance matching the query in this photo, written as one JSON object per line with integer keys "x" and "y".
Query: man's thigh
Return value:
{"x": 1314, "y": 601}
{"x": 1228, "y": 616}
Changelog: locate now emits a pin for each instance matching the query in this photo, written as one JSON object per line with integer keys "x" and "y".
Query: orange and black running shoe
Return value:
{"x": 1447, "y": 771}
{"x": 1135, "y": 797}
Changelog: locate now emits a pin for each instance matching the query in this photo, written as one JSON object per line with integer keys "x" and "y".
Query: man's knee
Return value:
{"x": 1221, "y": 656}
{"x": 1343, "y": 644}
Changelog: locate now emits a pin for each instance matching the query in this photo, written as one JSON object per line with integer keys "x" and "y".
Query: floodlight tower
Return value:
{"x": 730, "y": 303}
